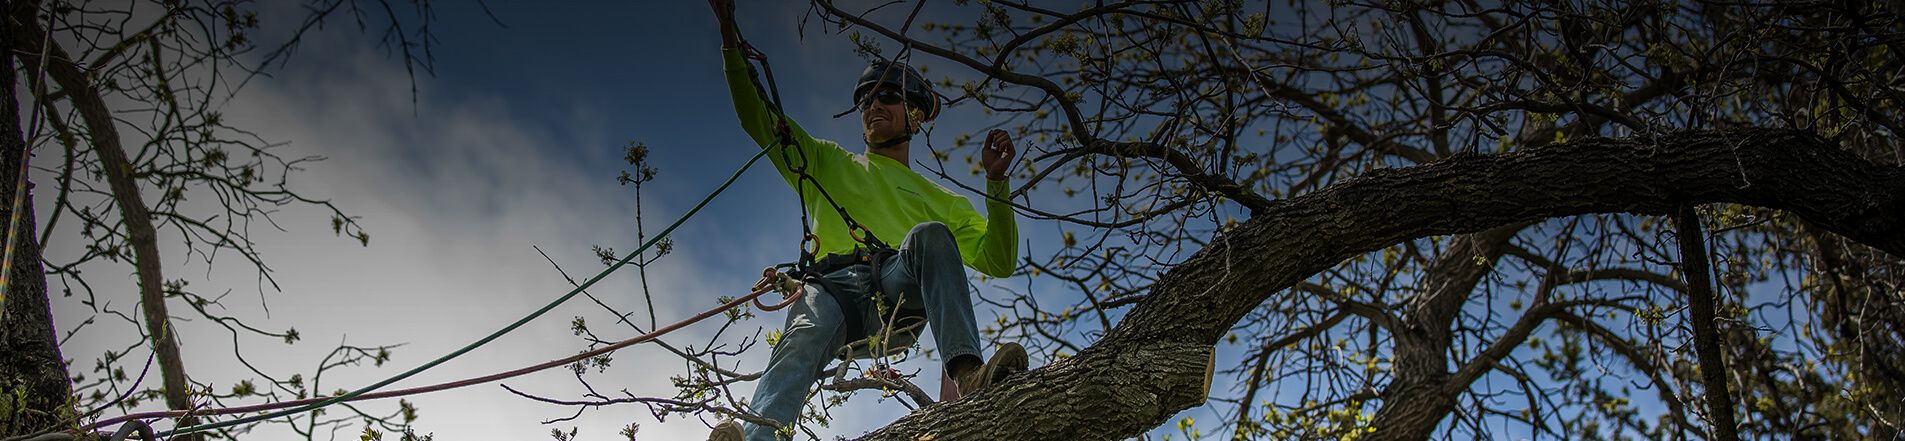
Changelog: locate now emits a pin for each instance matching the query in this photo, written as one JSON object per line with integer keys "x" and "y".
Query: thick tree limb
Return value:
{"x": 1422, "y": 392}
{"x": 1136, "y": 377}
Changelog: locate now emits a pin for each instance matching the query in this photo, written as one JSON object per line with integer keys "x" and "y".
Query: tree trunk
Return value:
{"x": 1422, "y": 392}
{"x": 1196, "y": 302}
{"x": 104, "y": 133}
{"x": 32, "y": 369}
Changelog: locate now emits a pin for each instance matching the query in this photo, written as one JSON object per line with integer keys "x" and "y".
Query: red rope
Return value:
{"x": 777, "y": 306}
{"x": 761, "y": 288}
{"x": 772, "y": 279}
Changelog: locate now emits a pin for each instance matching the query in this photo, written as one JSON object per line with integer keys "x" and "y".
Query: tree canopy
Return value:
{"x": 1410, "y": 220}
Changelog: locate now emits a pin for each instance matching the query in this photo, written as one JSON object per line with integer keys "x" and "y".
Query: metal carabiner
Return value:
{"x": 810, "y": 238}
{"x": 864, "y": 233}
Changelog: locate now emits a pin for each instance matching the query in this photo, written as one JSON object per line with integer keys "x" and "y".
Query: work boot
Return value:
{"x": 728, "y": 431}
{"x": 1009, "y": 359}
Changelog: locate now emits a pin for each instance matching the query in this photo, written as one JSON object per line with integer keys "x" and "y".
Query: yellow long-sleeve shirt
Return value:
{"x": 882, "y": 194}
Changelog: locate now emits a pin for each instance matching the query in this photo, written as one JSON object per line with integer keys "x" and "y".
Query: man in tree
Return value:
{"x": 860, "y": 290}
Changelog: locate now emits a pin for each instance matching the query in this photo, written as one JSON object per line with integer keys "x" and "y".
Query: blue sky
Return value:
{"x": 513, "y": 143}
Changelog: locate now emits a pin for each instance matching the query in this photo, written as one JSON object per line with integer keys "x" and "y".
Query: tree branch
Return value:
{"x": 125, "y": 192}
{"x": 1136, "y": 377}
{"x": 1706, "y": 336}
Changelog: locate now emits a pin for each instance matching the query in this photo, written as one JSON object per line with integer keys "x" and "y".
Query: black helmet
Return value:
{"x": 919, "y": 93}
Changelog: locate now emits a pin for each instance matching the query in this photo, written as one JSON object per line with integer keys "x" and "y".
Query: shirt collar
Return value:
{"x": 876, "y": 157}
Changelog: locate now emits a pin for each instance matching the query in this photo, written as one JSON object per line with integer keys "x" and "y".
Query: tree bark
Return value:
{"x": 1422, "y": 392}
{"x": 104, "y": 133}
{"x": 32, "y": 368}
{"x": 1706, "y": 335}
{"x": 1140, "y": 364}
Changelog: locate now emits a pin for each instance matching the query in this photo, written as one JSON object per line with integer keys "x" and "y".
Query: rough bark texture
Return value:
{"x": 1706, "y": 335}
{"x": 1422, "y": 392}
{"x": 1097, "y": 399}
{"x": 1134, "y": 379}
{"x": 80, "y": 91}
{"x": 32, "y": 367}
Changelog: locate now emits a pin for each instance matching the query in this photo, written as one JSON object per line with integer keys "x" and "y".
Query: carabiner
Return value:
{"x": 864, "y": 233}
{"x": 810, "y": 239}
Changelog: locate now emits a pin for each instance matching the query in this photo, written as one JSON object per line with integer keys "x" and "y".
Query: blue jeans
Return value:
{"x": 927, "y": 273}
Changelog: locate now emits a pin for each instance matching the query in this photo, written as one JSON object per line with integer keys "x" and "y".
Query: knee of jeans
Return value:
{"x": 933, "y": 232}
{"x": 811, "y": 323}
{"x": 809, "y": 332}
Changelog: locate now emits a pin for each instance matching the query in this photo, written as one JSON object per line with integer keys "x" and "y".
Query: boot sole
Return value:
{"x": 727, "y": 432}
{"x": 1009, "y": 359}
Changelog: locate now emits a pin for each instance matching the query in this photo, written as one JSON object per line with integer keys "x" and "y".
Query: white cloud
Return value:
{"x": 454, "y": 197}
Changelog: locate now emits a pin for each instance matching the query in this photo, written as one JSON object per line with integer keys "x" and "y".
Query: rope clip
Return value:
{"x": 772, "y": 278}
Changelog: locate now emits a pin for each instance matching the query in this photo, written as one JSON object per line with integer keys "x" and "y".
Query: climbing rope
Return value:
{"x": 761, "y": 288}
{"x": 307, "y": 405}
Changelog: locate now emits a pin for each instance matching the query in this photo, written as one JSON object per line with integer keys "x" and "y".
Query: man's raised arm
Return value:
{"x": 750, "y": 101}
{"x": 999, "y": 248}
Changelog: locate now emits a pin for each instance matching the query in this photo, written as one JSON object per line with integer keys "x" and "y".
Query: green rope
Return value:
{"x": 493, "y": 336}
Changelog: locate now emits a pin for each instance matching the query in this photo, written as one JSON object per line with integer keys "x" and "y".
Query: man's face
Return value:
{"x": 883, "y": 114}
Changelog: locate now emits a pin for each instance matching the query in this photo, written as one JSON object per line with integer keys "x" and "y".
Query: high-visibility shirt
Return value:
{"x": 878, "y": 192}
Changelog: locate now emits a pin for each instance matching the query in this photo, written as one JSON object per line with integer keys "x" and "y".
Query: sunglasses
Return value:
{"x": 883, "y": 96}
